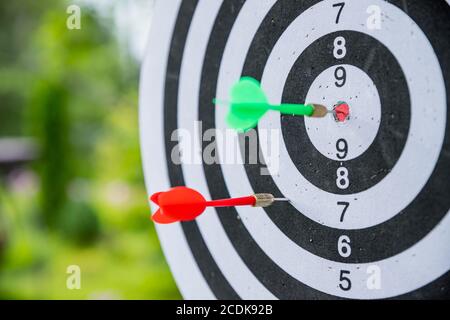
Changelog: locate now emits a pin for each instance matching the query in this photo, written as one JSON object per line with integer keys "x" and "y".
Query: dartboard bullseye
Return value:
{"x": 367, "y": 181}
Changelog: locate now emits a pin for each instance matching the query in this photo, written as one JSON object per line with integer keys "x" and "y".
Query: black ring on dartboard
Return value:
{"x": 366, "y": 170}
{"x": 269, "y": 273}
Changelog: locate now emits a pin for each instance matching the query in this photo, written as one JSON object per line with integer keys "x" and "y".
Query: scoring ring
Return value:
{"x": 379, "y": 159}
{"x": 320, "y": 239}
{"x": 374, "y": 205}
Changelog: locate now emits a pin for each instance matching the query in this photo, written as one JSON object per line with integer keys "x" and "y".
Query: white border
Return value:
{"x": 184, "y": 268}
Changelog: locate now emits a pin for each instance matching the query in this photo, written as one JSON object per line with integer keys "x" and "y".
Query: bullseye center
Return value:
{"x": 356, "y": 113}
{"x": 341, "y": 111}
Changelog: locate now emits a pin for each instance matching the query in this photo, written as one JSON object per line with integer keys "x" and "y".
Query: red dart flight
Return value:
{"x": 185, "y": 204}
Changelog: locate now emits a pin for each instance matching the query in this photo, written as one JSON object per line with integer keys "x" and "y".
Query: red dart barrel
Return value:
{"x": 242, "y": 201}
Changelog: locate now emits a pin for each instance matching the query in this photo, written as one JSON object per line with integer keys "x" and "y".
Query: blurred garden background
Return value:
{"x": 71, "y": 182}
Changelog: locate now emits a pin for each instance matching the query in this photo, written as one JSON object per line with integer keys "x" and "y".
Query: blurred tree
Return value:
{"x": 17, "y": 19}
{"x": 58, "y": 85}
{"x": 77, "y": 79}
{"x": 53, "y": 124}
{"x": 76, "y": 95}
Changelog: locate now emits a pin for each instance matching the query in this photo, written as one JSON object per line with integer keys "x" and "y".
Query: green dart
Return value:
{"x": 249, "y": 103}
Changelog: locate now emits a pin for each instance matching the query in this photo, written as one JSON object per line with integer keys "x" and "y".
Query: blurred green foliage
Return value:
{"x": 82, "y": 201}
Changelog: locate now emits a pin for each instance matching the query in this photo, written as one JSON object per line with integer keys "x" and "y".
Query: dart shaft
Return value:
{"x": 242, "y": 201}
{"x": 294, "y": 109}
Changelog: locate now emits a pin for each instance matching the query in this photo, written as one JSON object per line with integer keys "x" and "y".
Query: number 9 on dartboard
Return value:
{"x": 339, "y": 109}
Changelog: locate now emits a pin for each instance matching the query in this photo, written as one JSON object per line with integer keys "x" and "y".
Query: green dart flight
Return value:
{"x": 248, "y": 104}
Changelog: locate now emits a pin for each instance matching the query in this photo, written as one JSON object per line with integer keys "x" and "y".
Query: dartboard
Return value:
{"x": 370, "y": 197}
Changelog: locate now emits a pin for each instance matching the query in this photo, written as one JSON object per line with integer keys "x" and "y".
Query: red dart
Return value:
{"x": 185, "y": 204}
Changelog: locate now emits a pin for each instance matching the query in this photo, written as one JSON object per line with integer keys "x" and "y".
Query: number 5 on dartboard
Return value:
{"x": 344, "y": 281}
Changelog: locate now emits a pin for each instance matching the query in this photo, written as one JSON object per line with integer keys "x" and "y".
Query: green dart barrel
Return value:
{"x": 295, "y": 109}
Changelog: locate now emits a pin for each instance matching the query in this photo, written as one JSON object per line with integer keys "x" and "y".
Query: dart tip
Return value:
{"x": 266, "y": 199}
{"x": 320, "y": 111}
{"x": 281, "y": 199}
